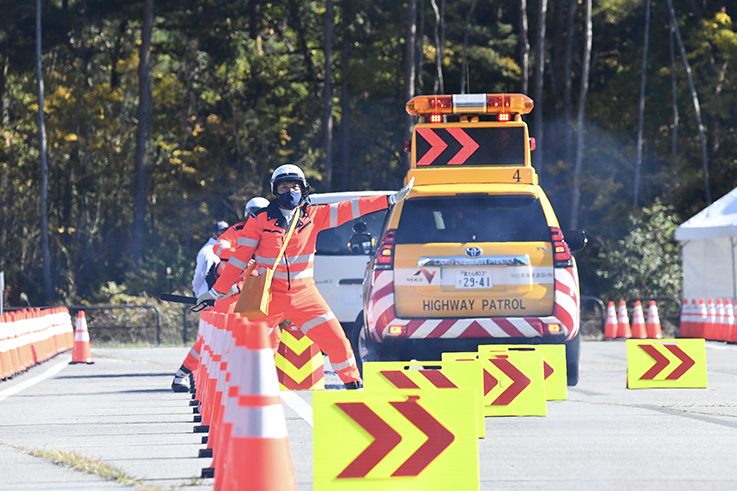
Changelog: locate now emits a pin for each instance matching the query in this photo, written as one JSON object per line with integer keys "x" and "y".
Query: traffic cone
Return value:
{"x": 700, "y": 318}
{"x": 623, "y": 322}
{"x": 639, "y": 330}
{"x": 259, "y": 431}
{"x": 711, "y": 319}
{"x": 81, "y": 352}
{"x": 684, "y": 326}
{"x": 610, "y": 329}
{"x": 654, "y": 330}
{"x": 720, "y": 325}
{"x": 730, "y": 320}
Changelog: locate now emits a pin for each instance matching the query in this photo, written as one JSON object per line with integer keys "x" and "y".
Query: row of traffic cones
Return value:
{"x": 618, "y": 322}
{"x": 708, "y": 320}
{"x": 29, "y": 337}
{"x": 238, "y": 405}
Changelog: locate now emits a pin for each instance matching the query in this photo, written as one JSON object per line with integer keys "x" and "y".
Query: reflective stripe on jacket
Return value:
{"x": 263, "y": 237}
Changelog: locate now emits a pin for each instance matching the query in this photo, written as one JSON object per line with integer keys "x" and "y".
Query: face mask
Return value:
{"x": 290, "y": 200}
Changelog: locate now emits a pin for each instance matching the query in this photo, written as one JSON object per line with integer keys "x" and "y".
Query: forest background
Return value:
{"x": 161, "y": 118}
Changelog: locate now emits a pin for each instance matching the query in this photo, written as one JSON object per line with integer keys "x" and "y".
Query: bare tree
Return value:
{"x": 345, "y": 96}
{"x": 641, "y": 119}
{"x": 539, "y": 72}
{"x": 142, "y": 136}
{"x": 328, "y": 115}
{"x": 567, "y": 82}
{"x": 45, "y": 247}
{"x": 695, "y": 98}
{"x": 586, "y": 65}
{"x": 524, "y": 47}
{"x": 464, "y": 62}
{"x": 674, "y": 88}
{"x": 439, "y": 87}
{"x": 409, "y": 82}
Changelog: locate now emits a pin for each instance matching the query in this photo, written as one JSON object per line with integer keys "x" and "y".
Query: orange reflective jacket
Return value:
{"x": 225, "y": 245}
{"x": 263, "y": 237}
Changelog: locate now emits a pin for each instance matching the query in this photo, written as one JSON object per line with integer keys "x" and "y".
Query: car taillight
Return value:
{"x": 385, "y": 253}
{"x": 561, "y": 254}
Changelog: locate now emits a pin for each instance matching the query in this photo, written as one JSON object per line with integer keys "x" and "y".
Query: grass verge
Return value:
{"x": 89, "y": 466}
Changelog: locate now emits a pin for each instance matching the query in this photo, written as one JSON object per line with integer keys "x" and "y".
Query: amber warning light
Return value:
{"x": 470, "y": 104}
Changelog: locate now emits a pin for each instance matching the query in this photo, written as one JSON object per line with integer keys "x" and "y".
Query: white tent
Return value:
{"x": 709, "y": 250}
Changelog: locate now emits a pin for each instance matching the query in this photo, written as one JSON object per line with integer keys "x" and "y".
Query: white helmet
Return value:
{"x": 289, "y": 172}
{"x": 255, "y": 204}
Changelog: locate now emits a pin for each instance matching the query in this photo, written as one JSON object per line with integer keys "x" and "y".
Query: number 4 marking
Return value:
{"x": 517, "y": 176}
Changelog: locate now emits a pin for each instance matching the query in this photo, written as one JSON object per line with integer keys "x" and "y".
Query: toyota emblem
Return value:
{"x": 473, "y": 252}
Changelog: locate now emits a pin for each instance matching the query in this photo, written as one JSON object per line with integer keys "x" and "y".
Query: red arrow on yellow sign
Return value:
{"x": 649, "y": 360}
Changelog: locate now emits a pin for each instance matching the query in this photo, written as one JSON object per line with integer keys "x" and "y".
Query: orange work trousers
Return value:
{"x": 306, "y": 308}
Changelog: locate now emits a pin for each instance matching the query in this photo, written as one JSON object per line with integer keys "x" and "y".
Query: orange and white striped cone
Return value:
{"x": 720, "y": 325}
{"x": 259, "y": 431}
{"x": 654, "y": 330}
{"x": 623, "y": 322}
{"x": 81, "y": 353}
{"x": 684, "y": 326}
{"x": 610, "y": 329}
{"x": 729, "y": 307}
{"x": 711, "y": 319}
{"x": 700, "y": 317}
{"x": 639, "y": 331}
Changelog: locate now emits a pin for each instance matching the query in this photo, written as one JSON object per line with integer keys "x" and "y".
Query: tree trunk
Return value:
{"x": 539, "y": 73}
{"x": 142, "y": 135}
{"x": 568, "y": 85}
{"x": 420, "y": 48}
{"x": 524, "y": 48}
{"x": 328, "y": 115}
{"x": 439, "y": 87}
{"x": 45, "y": 247}
{"x": 464, "y": 62}
{"x": 695, "y": 98}
{"x": 345, "y": 98}
{"x": 409, "y": 82}
{"x": 586, "y": 65}
{"x": 641, "y": 119}
{"x": 674, "y": 90}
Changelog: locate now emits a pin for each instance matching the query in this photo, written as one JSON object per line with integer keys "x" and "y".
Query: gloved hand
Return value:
{"x": 401, "y": 194}
{"x": 209, "y": 297}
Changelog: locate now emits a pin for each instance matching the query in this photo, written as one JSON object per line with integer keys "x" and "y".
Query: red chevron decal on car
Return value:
{"x": 437, "y": 145}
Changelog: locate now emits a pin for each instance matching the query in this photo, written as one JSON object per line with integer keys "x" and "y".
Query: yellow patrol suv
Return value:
{"x": 475, "y": 254}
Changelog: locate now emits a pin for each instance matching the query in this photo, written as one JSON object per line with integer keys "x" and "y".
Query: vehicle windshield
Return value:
{"x": 334, "y": 241}
{"x": 472, "y": 218}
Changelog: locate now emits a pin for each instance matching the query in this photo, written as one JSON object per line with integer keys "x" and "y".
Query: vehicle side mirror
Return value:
{"x": 576, "y": 239}
{"x": 361, "y": 241}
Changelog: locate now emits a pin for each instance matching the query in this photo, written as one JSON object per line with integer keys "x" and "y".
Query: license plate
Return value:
{"x": 474, "y": 279}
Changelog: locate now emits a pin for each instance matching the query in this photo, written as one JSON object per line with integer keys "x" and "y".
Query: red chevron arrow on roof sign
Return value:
{"x": 438, "y": 146}
{"x": 386, "y": 438}
{"x": 468, "y": 144}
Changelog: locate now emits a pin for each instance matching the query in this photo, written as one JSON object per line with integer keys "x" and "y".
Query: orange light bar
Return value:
{"x": 470, "y": 104}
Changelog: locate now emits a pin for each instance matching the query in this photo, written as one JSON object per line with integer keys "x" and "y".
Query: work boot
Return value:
{"x": 353, "y": 385}
{"x": 178, "y": 384}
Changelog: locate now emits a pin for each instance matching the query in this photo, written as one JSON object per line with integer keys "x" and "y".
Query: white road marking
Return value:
{"x": 53, "y": 370}
{"x": 299, "y": 405}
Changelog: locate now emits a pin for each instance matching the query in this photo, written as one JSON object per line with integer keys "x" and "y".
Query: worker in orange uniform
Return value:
{"x": 222, "y": 248}
{"x": 294, "y": 294}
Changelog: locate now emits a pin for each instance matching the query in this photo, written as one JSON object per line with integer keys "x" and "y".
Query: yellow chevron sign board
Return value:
{"x": 555, "y": 370}
{"x": 428, "y": 375}
{"x": 395, "y": 441}
{"x": 299, "y": 362}
{"x": 666, "y": 363}
{"x": 513, "y": 382}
